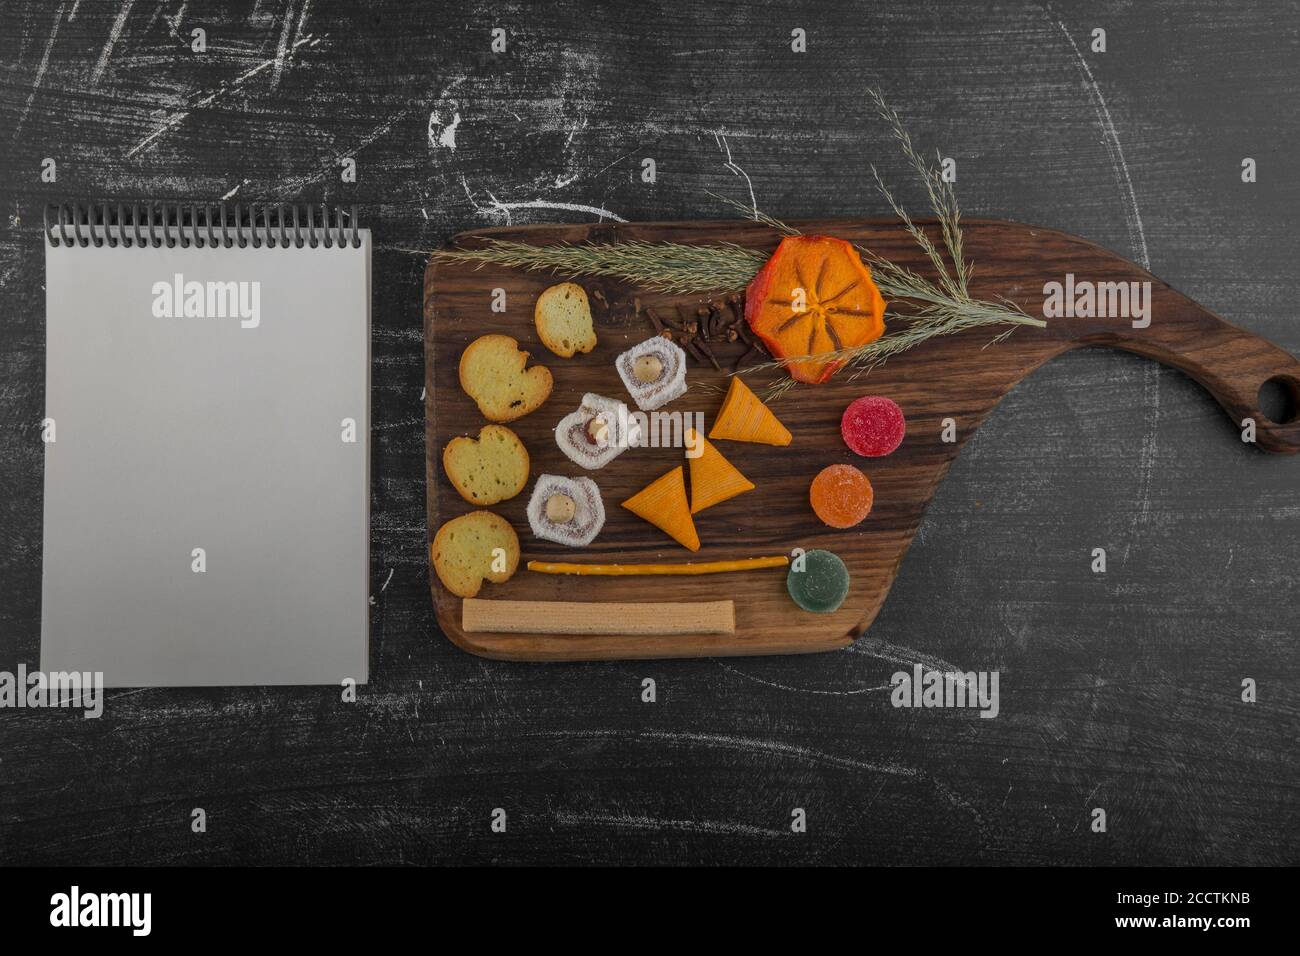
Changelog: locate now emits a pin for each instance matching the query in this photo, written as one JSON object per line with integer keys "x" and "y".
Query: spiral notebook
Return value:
{"x": 206, "y": 445}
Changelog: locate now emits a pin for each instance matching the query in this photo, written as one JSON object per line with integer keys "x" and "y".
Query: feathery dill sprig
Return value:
{"x": 672, "y": 267}
{"x": 756, "y": 214}
{"x": 942, "y": 197}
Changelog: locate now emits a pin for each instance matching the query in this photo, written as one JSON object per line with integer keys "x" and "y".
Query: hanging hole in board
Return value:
{"x": 1279, "y": 399}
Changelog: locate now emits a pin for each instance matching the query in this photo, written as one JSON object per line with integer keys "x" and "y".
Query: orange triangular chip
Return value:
{"x": 663, "y": 504}
{"x": 744, "y": 418}
{"x": 713, "y": 478}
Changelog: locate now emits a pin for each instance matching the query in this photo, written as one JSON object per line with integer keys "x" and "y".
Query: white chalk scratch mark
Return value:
{"x": 656, "y": 824}
{"x": 113, "y": 34}
{"x": 506, "y": 208}
{"x": 779, "y": 749}
{"x": 896, "y": 654}
{"x": 382, "y": 129}
{"x": 699, "y": 52}
{"x": 721, "y": 140}
{"x": 153, "y": 17}
{"x": 179, "y": 117}
{"x": 238, "y": 186}
{"x": 176, "y": 18}
{"x": 302, "y": 23}
{"x": 443, "y": 134}
{"x": 282, "y": 49}
{"x": 72, "y": 14}
{"x": 1151, "y": 372}
{"x": 598, "y": 211}
{"x": 40, "y": 71}
{"x": 384, "y": 587}
{"x": 1115, "y": 149}
{"x": 561, "y": 180}
{"x": 800, "y": 690}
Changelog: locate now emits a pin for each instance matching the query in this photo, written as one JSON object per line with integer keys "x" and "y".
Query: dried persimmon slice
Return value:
{"x": 814, "y": 297}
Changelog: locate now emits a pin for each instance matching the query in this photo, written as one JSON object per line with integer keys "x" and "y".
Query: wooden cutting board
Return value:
{"x": 954, "y": 377}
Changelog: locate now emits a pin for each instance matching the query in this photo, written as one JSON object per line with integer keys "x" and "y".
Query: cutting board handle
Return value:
{"x": 1230, "y": 362}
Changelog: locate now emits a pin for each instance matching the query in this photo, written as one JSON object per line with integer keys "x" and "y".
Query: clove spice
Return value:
{"x": 711, "y": 325}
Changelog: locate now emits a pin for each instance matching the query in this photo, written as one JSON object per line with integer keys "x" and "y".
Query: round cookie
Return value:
{"x": 821, "y": 585}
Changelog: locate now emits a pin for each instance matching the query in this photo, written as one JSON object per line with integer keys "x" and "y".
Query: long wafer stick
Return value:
{"x": 594, "y": 617}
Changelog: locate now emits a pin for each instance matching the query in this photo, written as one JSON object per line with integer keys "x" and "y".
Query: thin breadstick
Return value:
{"x": 687, "y": 567}
{"x": 595, "y": 617}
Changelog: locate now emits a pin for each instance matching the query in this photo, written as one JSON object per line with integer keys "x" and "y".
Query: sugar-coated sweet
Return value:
{"x": 819, "y": 582}
{"x": 566, "y": 510}
{"x": 598, "y": 432}
{"x": 873, "y": 426}
{"x": 654, "y": 372}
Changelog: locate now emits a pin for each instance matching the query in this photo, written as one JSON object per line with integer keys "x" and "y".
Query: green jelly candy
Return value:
{"x": 822, "y": 584}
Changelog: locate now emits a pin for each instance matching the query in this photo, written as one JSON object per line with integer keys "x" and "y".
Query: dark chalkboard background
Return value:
{"x": 1119, "y": 691}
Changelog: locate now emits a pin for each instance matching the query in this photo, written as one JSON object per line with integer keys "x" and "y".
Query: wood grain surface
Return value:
{"x": 959, "y": 378}
{"x": 1119, "y": 690}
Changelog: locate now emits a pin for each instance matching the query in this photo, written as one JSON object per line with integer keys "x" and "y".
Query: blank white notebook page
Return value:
{"x": 206, "y": 488}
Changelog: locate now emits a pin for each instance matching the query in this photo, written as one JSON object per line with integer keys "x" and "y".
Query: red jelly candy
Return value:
{"x": 873, "y": 426}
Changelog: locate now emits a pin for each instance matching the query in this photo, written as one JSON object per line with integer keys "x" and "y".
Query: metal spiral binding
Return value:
{"x": 157, "y": 225}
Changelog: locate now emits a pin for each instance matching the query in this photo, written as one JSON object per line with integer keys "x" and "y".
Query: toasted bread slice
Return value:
{"x": 488, "y": 469}
{"x": 492, "y": 373}
{"x": 474, "y": 547}
{"x": 563, "y": 318}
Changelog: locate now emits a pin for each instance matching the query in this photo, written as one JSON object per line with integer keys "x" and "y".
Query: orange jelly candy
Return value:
{"x": 841, "y": 495}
